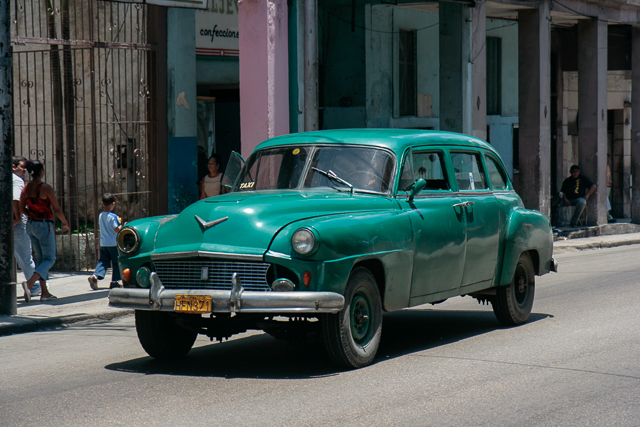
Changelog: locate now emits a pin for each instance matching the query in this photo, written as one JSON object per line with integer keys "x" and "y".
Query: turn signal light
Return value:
{"x": 126, "y": 275}
{"x": 306, "y": 278}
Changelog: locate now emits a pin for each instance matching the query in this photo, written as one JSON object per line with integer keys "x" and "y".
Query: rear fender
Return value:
{"x": 527, "y": 230}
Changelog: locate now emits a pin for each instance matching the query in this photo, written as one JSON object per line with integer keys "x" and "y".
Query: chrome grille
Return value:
{"x": 188, "y": 274}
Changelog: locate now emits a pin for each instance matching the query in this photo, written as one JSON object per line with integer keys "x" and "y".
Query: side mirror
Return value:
{"x": 417, "y": 187}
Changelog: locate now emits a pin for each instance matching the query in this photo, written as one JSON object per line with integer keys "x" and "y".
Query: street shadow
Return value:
{"x": 93, "y": 295}
{"x": 260, "y": 356}
{"x": 255, "y": 356}
{"x": 411, "y": 331}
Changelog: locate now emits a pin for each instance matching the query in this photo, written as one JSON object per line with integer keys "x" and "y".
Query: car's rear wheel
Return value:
{"x": 513, "y": 303}
{"x": 352, "y": 336}
{"x": 162, "y": 336}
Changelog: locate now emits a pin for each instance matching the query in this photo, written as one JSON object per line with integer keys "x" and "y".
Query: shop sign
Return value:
{"x": 194, "y": 4}
{"x": 217, "y": 29}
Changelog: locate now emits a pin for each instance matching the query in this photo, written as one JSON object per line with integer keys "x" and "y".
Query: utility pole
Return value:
{"x": 8, "y": 303}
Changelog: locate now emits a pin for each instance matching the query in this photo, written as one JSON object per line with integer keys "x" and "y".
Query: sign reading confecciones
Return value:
{"x": 217, "y": 29}
{"x": 194, "y": 4}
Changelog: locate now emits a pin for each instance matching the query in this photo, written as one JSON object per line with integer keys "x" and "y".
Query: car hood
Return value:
{"x": 247, "y": 222}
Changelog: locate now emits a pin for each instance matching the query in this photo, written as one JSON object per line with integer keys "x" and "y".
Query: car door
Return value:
{"x": 482, "y": 216}
{"x": 437, "y": 224}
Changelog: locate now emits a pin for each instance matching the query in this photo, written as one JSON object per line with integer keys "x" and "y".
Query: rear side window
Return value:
{"x": 468, "y": 170}
{"x": 496, "y": 174}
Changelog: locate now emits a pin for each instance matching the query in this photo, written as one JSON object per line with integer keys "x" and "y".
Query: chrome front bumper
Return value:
{"x": 237, "y": 300}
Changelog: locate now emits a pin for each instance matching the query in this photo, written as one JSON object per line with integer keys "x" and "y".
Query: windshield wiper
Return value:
{"x": 331, "y": 175}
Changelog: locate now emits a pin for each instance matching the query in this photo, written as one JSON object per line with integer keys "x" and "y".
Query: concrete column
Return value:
{"x": 455, "y": 68}
{"x": 479, "y": 71}
{"x": 635, "y": 124}
{"x": 264, "y": 71}
{"x": 311, "y": 114}
{"x": 182, "y": 132}
{"x": 534, "y": 108}
{"x": 182, "y": 118}
{"x": 379, "y": 65}
{"x": 592, "y": 113}
{"x": 621, "y": 164}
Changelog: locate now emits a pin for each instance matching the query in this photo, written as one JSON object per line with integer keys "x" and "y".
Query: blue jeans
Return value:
{"x": 22, "y": 250}
{"x": 580, "y": 203}
{"x": 108, "y": 256}
{"x": 43, "y": 239}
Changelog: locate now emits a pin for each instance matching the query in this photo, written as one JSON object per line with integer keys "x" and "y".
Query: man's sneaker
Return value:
{"x": 35, "y": 289}
{"x": 93, "y": 282}
{"x": 114, "y": 285}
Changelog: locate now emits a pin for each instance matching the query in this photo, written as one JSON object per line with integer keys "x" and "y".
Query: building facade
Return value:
{"x": 548, "y": 83}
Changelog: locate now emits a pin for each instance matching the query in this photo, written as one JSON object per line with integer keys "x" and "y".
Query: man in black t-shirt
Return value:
{"x": 576, "y": 190}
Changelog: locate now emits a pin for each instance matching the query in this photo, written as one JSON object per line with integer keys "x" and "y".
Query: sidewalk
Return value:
{"x": 78, "y": 303}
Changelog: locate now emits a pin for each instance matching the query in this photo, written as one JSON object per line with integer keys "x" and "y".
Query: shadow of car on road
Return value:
{"x": 261, "y": 356}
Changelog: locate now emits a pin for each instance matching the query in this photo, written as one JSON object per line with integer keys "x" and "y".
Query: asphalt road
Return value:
{"x": 576, "y": 363}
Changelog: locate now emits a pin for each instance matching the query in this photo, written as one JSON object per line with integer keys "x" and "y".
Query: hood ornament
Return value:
{"x": 206, "y": 225}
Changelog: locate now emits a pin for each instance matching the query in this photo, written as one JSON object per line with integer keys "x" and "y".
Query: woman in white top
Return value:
{"x": 211, "y": 183}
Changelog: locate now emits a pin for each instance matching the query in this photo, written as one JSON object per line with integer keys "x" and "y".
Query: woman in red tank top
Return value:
{"x": 38, "y": 201}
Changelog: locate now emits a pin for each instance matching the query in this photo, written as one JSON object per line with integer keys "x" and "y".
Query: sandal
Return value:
{"x": 27, "y": 292}
{"x": 49, "y": 298}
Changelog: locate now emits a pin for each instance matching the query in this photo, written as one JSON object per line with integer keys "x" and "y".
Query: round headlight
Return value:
{"x": 128, "y": 240}
{"x": 303, "y": 241}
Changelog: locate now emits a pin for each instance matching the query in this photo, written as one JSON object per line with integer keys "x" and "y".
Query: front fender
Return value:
{"x": 349, "y": 235}
{"x": 527, "y": 230}
{"x": 147, "y": 229}
{"x": 346, "y": 240}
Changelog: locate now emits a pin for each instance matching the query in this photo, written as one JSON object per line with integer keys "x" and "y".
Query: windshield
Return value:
{"x": 343, "y": 168}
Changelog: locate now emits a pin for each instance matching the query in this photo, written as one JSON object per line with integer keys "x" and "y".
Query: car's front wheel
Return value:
{"x": 162, "y": 336}
{"x": 352, "y": 336}
{"x": 513, "y": 303}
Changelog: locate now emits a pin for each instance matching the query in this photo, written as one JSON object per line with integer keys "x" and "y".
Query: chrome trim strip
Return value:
{"x": 448, "y": 193}
{"x": 206, "y": 254}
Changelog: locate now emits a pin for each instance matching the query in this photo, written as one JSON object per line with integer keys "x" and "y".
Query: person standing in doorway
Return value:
{"x": 38, "y": 202}
{"x": 212, "y": 182}
{"x": 576, "y": 190}
{"x": 21, "y": 241}
{"x": 109, "y": 227}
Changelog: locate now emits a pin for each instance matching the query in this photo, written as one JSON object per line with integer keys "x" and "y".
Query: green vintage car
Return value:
{"x": 324, "y": 231}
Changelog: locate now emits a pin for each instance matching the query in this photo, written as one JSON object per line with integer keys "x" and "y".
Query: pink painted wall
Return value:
{"x": 264, "y": 71}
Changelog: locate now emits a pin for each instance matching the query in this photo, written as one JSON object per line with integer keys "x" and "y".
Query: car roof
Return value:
{"x": 397, "y": 140}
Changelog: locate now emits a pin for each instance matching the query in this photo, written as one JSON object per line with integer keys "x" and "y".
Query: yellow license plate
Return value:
{"x": 193, "y": 304}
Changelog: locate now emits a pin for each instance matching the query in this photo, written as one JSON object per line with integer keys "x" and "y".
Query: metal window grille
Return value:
{"x": 82, "y": 106}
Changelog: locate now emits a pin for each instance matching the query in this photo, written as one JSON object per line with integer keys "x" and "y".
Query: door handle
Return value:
{"x": 464, "y": 204}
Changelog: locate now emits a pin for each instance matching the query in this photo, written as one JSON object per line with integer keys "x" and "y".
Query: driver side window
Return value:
{"x": 428, "y": 165}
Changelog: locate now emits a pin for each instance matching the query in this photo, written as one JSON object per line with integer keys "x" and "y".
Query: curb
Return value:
{"x": 23, "y": 325}
{"x": 594, "y": 245}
